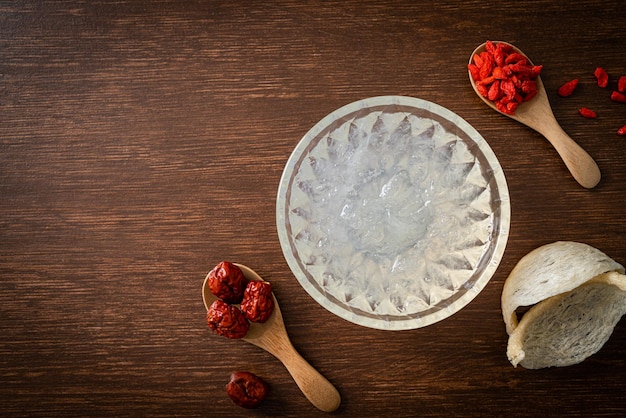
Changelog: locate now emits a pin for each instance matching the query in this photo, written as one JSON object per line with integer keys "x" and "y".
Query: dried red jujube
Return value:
{"x": 227, "y": 282}
{"x": 227, "y": 320}
{"x": 246, "y": 389}
{"x": 258, "y": 303}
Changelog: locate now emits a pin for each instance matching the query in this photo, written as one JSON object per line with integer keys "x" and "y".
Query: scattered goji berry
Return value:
{"x": 602, "y": 77}
{"x": 622, "y": 130}
{"x": 587, "y": 113}
{"x": 504, "y": 76}
{"x": 618, "y": 97}
{"x": 621, "y": 84}
{"x": 568, "y": 88}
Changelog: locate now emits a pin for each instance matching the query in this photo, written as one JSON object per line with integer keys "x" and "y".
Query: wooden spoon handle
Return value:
{"x": 538, "y": 116}
{"x": 580, "y": 164}
{"x": 317, "y": 389}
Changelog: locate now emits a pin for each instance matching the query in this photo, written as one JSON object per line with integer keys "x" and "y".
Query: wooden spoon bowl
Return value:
{"x": 272, "y": 337}
{"x": 537, "y": 114}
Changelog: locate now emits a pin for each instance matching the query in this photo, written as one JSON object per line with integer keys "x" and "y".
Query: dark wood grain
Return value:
{"x": 143, "y": 142}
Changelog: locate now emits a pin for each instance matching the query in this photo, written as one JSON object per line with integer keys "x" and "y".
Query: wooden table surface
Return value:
{"x": 142, "y": 142}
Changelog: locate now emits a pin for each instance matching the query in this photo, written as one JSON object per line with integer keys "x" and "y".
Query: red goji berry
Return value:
{"x": 488, "y": 64}
{"x": 601, "y": 76}
{"x": 487, "y": 80}
{"x": 502, "y": 108}
{"x": 501, "y": 52}
{"x": 517, "y": 82}
{"x": 490, "y": 47}
{"x": 618, "y": 97}
{"x": 474, "y": 71}
{"x": 512, "y": 107}
{"x": 508, "y": 88}
{"x": 587, "y": 113}
{"x": 494, "y": 91}
{"x": 621, "y": 84}
{"x": 498, "y": 73}
{"x": 568, "y": 88}
{"x": 622, "y": 130}
{"x": 536, "y": 69}
{"x": 504, "y": 76}
{"x": 477, "y": 60}
{"x": 482, "y": 90}
{"x": 522, "y": 69}
{"x": 529, "y": 87}
{"x": 499, "y": 56}
{"x": 516, "y": 58}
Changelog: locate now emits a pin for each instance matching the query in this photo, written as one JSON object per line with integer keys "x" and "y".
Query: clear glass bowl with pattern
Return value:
{"x": 393, "y": 212}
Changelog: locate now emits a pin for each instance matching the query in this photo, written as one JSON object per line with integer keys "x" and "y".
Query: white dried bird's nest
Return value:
{"x": 576, "y": 295}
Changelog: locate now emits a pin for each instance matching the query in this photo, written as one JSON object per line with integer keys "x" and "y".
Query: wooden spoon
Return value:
{"x": 537, "y": 114}
{"x": 272, "y": 337}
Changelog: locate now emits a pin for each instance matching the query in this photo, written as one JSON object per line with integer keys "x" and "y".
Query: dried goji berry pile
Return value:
{"x": 602, "y": 80}
{"x": 504, "y": 76}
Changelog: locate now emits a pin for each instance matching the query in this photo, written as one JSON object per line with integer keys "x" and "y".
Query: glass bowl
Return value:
{"x": 393, "y": 212}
